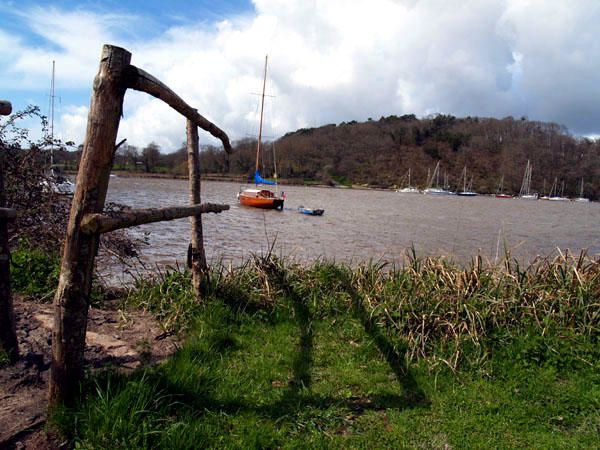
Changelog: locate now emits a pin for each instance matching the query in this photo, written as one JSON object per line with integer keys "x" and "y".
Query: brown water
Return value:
{"x": 359, "y": 225}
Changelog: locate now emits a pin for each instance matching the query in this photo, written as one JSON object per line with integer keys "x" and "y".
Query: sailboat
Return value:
{"x": 437, "y": 190}
{"x": 467, "y": 190}
{"x": 555, "y": 195}
{"x": 581, "y": 198}
{"x": 525, "y": 192}
{"x": 256, "y": 197}
{"x": 56, "y": 182}
{"x": 500, "y": 192}
{"x": 409, "y": 189}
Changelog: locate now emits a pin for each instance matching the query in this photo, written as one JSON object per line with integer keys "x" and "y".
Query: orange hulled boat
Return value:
{"x": 261, "y": 198}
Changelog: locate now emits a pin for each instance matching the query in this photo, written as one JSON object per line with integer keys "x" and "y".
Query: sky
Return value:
{"x": 330, "y": 61}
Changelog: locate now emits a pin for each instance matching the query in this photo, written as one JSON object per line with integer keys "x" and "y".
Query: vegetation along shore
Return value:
{"x": 327, "y": 356}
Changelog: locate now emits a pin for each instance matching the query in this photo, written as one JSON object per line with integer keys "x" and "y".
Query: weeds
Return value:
{"x": 430, "y": 309}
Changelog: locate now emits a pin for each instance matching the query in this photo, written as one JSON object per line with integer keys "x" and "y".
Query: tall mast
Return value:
{"x": 262, "y": 105}
{"x": 52, "y": 118}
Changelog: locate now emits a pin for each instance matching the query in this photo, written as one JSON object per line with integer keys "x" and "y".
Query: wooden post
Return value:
{"x": 198, "y": 256}
{"x": 73, "y": 292}
{"x": 103, "y": 223}
{"x": 8, "y": 335}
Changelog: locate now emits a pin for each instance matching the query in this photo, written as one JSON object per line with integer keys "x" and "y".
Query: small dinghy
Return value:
{"x": 310, "y": 211}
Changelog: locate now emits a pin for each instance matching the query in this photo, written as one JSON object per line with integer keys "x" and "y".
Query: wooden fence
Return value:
{"x": 86, "y": 221}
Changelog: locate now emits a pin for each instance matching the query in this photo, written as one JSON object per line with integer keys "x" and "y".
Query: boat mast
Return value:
{"x": 52, "y": 120}
{"x": 262, "y": 105}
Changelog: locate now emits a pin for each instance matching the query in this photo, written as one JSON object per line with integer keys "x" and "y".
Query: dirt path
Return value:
{"x": 113, "y": 337}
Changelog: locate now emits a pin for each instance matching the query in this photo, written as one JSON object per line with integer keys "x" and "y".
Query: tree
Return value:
{"x": 150, "y": 156}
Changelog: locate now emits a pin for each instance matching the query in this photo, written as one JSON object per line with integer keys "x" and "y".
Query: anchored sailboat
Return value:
{"x": 525, "y": 192}
{"x": 500, "y": 192}
{"x": 409, "y": 189}
{"x": 437, "y": 190}
{"x": 261, "y": 198}
{"x": 581, "y": 198}
{"x": 467, "y": 189}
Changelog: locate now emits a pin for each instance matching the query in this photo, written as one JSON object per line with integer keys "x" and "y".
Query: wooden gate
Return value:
{"x": 86, "y": 221}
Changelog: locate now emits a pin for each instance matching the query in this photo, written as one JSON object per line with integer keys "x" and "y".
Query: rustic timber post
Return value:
{"x": 8, "y": 335}
{"x": 73, "y": 292}
{"x": 198, "y": 256}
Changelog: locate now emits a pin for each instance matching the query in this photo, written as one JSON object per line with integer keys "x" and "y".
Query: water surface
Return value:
{"x": 359, "y": 225}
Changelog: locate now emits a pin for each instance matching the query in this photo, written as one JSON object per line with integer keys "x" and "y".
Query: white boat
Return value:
{"x": 467, "y": 189}
{"x": 554, "y": 195}
{"x": 500, "y": 191}
{"x": 525, "y": 192}
{"x": 581, "y": 198}
{"x": 437, "y": 190}
{"x": 409, "y": 189}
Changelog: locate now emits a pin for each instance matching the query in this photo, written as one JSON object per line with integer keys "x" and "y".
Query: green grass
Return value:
{"x": 331, "y": 357}
{"x": 34, "y": 272}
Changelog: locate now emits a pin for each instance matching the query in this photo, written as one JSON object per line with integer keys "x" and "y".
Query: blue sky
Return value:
{"x": 330, "y": 60}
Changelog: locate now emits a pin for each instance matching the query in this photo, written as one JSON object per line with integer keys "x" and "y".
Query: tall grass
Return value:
{"x": 280, "y": 355}
{"x": 429, "y": 309}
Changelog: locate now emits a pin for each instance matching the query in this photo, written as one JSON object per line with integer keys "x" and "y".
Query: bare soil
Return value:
{"x": 125, "y": 339}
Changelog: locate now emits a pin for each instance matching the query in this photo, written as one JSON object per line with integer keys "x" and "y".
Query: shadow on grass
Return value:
{"x": 190, "y": 385}
{"x": 412, "y": 393}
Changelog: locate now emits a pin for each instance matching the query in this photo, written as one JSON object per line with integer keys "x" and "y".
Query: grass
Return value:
{"x": 427, "y": 356}
{"x": 34, "y": 272}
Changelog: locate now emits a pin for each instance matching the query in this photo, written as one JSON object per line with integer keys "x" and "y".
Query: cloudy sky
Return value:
{"x": 329, "y": 60}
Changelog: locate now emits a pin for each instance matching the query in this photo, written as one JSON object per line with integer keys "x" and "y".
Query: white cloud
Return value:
{"x": 333, "y": 61}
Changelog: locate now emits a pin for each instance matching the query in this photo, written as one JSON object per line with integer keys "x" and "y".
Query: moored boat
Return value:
{"x": 262, "y": 198}
{"x": 409, "y": 189}
{"x": 525, "y": 192}
{"x": 437, "y": 190}
{"x": 467, "y": 189}
{"x": 500, "y": 191}
{"x": 311, "y": 211}
{"x": 581, "y": 198}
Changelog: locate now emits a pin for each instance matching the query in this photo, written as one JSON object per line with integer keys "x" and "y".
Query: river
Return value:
{"x": 361, "y": 225}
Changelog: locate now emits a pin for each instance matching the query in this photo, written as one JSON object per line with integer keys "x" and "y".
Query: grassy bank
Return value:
{"x": 327, "y": 356}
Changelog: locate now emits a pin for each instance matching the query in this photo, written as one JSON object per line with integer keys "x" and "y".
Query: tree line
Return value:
{"x": 379, "y": 153}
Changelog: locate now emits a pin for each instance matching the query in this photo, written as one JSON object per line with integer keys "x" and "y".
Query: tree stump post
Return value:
{"x": 198, "y": 256}
{"x": 73, "y": 292}
{"x": 8, "y": 335}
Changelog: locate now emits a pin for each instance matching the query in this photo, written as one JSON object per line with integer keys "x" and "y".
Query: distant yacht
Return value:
{"x": 555, "y": 196}
{"x": 525, "y": 192}
{"x": 435, "y": 190}
{"x": 409, "y": 189}
{"x": 467, "y": 190}
{"x": 581, "y": 198}
{"x": 500, "y": 192}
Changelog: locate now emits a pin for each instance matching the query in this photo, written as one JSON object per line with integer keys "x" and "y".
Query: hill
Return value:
{"x": 378, "y": 153}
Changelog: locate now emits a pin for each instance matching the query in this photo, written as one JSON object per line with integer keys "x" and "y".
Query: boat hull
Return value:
{"x": 263, "y": 199}
{"x": 436, "y": 191}
{"x": 311, "y": 212}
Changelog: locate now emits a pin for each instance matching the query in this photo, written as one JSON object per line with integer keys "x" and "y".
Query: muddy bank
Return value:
{"x": 125, "y": 339}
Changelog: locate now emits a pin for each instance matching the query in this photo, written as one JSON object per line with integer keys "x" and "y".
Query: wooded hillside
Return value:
{"x": 379, "y": 153}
